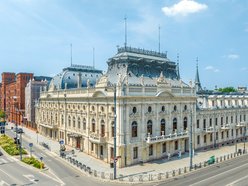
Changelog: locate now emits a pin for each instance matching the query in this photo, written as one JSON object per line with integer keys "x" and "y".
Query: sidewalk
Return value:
{"x": 153, "y": 167}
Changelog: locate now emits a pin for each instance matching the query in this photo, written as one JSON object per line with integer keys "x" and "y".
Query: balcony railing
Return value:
{"x": 209, "y": 130}
{"x": 96, "y": 138}
{"x": 240, "y": 124}
{"x": 225, "y": 127}
{"x": 50, "y": 126}
{"x": 169, "y": 137}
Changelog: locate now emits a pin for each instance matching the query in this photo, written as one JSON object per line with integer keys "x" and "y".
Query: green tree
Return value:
{"x": 2, "y": 114}
{"x": 227, "y": 89}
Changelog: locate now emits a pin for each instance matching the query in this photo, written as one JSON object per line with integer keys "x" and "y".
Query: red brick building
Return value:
{"x": 13, "y": 95}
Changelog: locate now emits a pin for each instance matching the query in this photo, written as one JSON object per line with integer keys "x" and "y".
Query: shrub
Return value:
{"x": 32, "y": 161}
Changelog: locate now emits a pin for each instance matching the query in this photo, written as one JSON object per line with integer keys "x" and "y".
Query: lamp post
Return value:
{"x": 115, "y": 159}
{"x": 190, "y": 141}
{"x": 244, "y": 138}
{"x": 65, "y": 120}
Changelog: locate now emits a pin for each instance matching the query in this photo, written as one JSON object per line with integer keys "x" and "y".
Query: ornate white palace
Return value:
{"x": 155, "y": 109}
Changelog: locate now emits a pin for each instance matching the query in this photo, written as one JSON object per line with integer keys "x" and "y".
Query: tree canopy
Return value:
{"x": 227, "y": 89}
{"x": 2, "y": 114}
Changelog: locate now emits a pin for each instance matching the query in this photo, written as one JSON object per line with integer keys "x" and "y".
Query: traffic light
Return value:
{"x": 2, "y": 127}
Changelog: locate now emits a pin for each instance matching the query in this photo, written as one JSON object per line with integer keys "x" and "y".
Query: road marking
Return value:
{"x": 16, "y": 180}
{"x": 218, "y": 174}
{"x": 2, "y": 183}
{"x": 43, "y": 155}
{"x": 236, "y": 181}
{"x": 3, "y": 161}
{"x": 30, "y": 177}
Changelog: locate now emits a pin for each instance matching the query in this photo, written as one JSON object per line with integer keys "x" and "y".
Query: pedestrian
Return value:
{"x": 168, "y": 154}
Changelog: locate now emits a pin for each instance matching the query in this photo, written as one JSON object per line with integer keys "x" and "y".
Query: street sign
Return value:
{"x": 31, "y": 144}
{"x": 61, "y": 142}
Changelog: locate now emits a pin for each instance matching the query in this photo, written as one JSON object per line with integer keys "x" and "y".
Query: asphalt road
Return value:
{"x": 230, "y": 173}
{"x": 13, "y": 172}
{"x": 61, "y": 170}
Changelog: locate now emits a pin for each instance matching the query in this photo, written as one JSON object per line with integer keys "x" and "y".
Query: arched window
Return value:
{"x": 93, "y": 125}
{"x": 134, "y": 110}
{"x": 62, "y": 119}
{"x": 74, "y": 122}
{"x": 175, "y": 108}
{"x": 84, "y": 124}
{"x": 162, "y": 127}
{"x": 69, "y": 121}
{"x": 112, "y": 129}
{"x": 102, "y": 128}
{"x": 79, "y": 122}
{"x": 134, "y": 129}
{"x": 163, "y": 108}
{"x": 149, "y": 127}
{"x": 174, "y": 124}
{"x": 185, "y": 123}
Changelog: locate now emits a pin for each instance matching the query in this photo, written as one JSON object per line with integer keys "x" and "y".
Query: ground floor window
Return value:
{"x": 164, "y": 147}
{"x": 101, "y": 150}
{"x": 198, "y": 140}
{"x": 92, "y": 146}
{"x": 150, "y": 150}
{"x": 227, "y": 134}
{"x": 211, "y": 137}
{"x": 176, "y": 145}
{"x": 135, "y": 152}
{"x": 205, "y": 138}
{"x": 217, "y": 136}
{"x": 222, "y": 135}
{"x": 112, "y": 153}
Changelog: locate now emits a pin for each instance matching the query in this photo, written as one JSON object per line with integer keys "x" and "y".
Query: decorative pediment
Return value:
{"x": 103, "y": 81}
{"x": 164, "y": 94}
{"x": 99, "y": 94}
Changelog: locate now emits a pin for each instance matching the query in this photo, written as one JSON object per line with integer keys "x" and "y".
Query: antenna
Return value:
{"x": 197, "y": 61}
{"x": 93, "y": 57}
{"x": 71, "y": 54}
{"x": 125, "y": 18}
{"x": 159, "y": 38}
{"x": 177, "y": 57}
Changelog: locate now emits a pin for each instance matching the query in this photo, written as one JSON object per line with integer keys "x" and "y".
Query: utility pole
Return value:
{"x": 191, "y": 143}
{"x": 115, "y": 159}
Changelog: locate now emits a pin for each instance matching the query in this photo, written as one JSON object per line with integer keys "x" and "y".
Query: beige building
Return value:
{"x": 154, "y": 111}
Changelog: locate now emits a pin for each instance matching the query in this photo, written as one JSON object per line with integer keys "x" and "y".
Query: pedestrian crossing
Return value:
{"x": 6, "y": 160}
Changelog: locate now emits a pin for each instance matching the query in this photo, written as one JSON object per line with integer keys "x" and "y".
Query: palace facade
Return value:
{"x": 155, "y": 109}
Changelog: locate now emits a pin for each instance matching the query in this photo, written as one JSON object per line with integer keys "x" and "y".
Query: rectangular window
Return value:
{"x": 211, "y": 137}
{"x": 227, "y": 134}
{"x": 198, "y": 124}
{"x": 164, "y": 148}
{"x": 217, "y": 136}
{"x": 240, "y": 131}
{"x": 210, "y": 122}
{"x": 176, "y": 145}
{"x": 101, "y": 150}
{"x": 112, "y": 153}
{"x": 135, "y": 152}
{"x": 222, "y": 135}
{"x": 221, "y": 121}
{"x": 92, "y": 146}
{"x": 231, "y": 119}
{"x": 204, "y": 124}
{"x": 232, "y": 132}
{"x": 205, "y": 139}
{"x": 227, "y": 120}
{"x": 237, "y": 132}
{"x": 216, "y": 121}
{"x": 198, "y": 140}
{"x": 150, "y": 150}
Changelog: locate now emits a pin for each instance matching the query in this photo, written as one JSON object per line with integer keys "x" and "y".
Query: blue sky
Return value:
{"x": 35, "y": 35}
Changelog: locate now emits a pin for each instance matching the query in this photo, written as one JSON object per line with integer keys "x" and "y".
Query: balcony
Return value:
{"x": 164, "y": 138}
{"x": 50, "y": 126}
{"x": 240, "y": 124}
{"x": 96, "y": 138}
{"x": 209, "y": 130}
{"x": 225, "y": 127}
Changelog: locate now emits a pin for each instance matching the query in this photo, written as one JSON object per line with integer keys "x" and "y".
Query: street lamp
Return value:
{"x": 115, "y": 159}
{"x": 191, "y": 141}
{"x": 65, "y": 121}
{"x": 244, "y": 138}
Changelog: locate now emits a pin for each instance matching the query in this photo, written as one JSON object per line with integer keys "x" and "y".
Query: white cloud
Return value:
{"x": 233, "y": 56}
{"x": 211, "y": 68}
{"x": 184, "y": 8}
